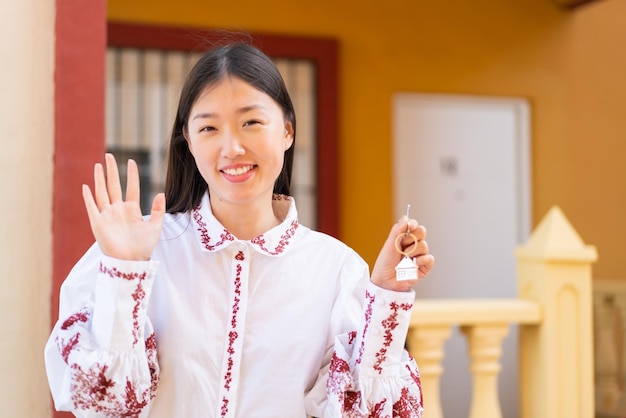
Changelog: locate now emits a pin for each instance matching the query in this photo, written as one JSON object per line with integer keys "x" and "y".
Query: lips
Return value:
{"x": 237, "y": 171}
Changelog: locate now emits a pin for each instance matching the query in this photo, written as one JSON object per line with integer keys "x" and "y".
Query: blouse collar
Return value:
{"x": 213, "y": 236}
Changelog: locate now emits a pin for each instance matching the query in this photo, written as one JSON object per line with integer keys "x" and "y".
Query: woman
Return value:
{"x": 226, "y": 306}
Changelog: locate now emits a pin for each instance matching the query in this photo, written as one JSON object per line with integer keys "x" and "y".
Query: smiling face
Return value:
{"x": 238, "y": 137}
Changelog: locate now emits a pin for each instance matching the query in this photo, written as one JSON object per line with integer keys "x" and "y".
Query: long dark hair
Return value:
{"x": 184, "y": 186}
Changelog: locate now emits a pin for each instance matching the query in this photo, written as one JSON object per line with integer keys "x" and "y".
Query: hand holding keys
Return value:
{"x": 406, "y": 268}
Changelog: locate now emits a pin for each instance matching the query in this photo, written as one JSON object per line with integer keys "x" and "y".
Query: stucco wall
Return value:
{"x": 27, "y": 136}
{"x": 569, "y": 65}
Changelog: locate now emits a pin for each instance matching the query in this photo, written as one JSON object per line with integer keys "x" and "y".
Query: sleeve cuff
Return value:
{"x": 385, "y": 324}
{"x": 121, "y": 299}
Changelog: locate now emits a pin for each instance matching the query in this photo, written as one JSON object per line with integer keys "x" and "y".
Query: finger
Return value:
{"x": 421, "y": 248}
{"x": 417, "y": 229}
{"x": 113, "y": 179}
{"x": 400, "y": 227}
{"x": 420, "y": 230}
{"x": 102, "y": 197}
{"x": 132, "y": 182}
{"x": 424, "y": 264}
{"x": 404, "y": 224}
{"x": 92, "y": 209}
{"x": 158, "y": 209}
{"x": 416, "y": 249}
{"x": 407, "y": 242}
{"x": 410, "y": 225}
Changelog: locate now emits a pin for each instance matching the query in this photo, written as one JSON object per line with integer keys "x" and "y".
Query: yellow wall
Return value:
{"x": 27, "y": 141}
{"x": 567, "y": 63}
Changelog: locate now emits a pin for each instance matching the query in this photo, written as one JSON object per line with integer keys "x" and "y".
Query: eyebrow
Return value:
{"x": 242, "y": 110}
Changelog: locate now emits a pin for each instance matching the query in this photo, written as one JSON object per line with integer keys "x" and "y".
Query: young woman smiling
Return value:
{"x": 220, "y": 303}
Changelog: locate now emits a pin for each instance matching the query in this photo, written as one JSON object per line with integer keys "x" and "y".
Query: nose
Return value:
{"x": 232, "y": 145}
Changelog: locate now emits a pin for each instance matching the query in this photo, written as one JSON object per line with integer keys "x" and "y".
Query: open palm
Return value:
{"x": 118, "y": 225}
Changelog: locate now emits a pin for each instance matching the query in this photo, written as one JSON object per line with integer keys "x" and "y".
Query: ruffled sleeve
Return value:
{"x": 368, "y": 372}
{"x": 101, "y": 355}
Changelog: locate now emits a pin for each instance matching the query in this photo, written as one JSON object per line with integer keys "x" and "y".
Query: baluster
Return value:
{"x": 620, "y": 303}
{"x": 606, "y": 333}
{"x": 485, "y": 349}
{"x": 426, "y": 345}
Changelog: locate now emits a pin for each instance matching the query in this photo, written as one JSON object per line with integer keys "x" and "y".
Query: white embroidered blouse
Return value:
{"x": 287, "y": 324}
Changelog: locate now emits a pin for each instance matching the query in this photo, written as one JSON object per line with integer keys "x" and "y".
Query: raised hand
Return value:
{"x": 118, "y": 225}
{"x": 384, "y": 272}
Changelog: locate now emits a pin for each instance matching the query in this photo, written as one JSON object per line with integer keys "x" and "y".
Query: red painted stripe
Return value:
{"x": 79, "y": 129}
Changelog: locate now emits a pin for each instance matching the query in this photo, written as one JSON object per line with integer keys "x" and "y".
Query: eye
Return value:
{"x": 251, "y": 122}
{"x": 207, "y": 129}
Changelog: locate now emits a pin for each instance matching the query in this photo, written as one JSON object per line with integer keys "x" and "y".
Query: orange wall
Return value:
{"x": 566, "y": 63}
{"x": 596, "y": 131}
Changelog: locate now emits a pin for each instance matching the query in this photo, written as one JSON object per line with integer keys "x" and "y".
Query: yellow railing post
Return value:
{"x": 426, "y": 344}
{"x": 556, "y": 358}
{"x": 485, "y": 350}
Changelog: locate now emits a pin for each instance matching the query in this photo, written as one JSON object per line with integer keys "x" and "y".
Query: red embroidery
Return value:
{"x": 280, "y": 197}
{"x": 134, "y": 406}
{"x": 415, "y": 376}
{"x": 408, "y": 406}
{"x": 368, "y": 318}
{"x": 338, "y": 376}
{"x": 116, "y": 274}
{"x": 138, "y": 295}
{"x": 80, "y": 316}
{"x": 92, "y": 390}
{"x": 228, "y": 377}
{"x": 232, "y": 334}
{"x": 284, "y": 240}
{"x": 351, "y": 404}
{"x": 389, "y": 325}
{"x": 66, "y": 348}
{"x": 378, "y": 410}
{"x": 204, "y": 233}
{"x": 224, "y": 407}
{"x": 153, "y": 364}
{"x": 226, "y": 236}
{"x": 339, "y": 384}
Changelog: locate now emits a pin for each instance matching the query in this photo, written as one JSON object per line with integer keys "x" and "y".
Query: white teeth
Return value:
{"x": 237, "y": 171}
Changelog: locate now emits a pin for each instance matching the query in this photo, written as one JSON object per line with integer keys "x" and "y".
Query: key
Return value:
{"x": 406, "y": 268}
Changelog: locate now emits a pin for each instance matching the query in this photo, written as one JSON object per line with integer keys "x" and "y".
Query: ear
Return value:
{"x": 288, "y": 135}
{"x": 186, "y": 135}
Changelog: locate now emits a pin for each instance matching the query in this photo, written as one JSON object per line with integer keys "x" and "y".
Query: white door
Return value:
{"x": 462, "y": 163}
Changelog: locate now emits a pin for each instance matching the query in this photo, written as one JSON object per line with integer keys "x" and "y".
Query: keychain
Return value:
{"x": 406, "y": 268}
